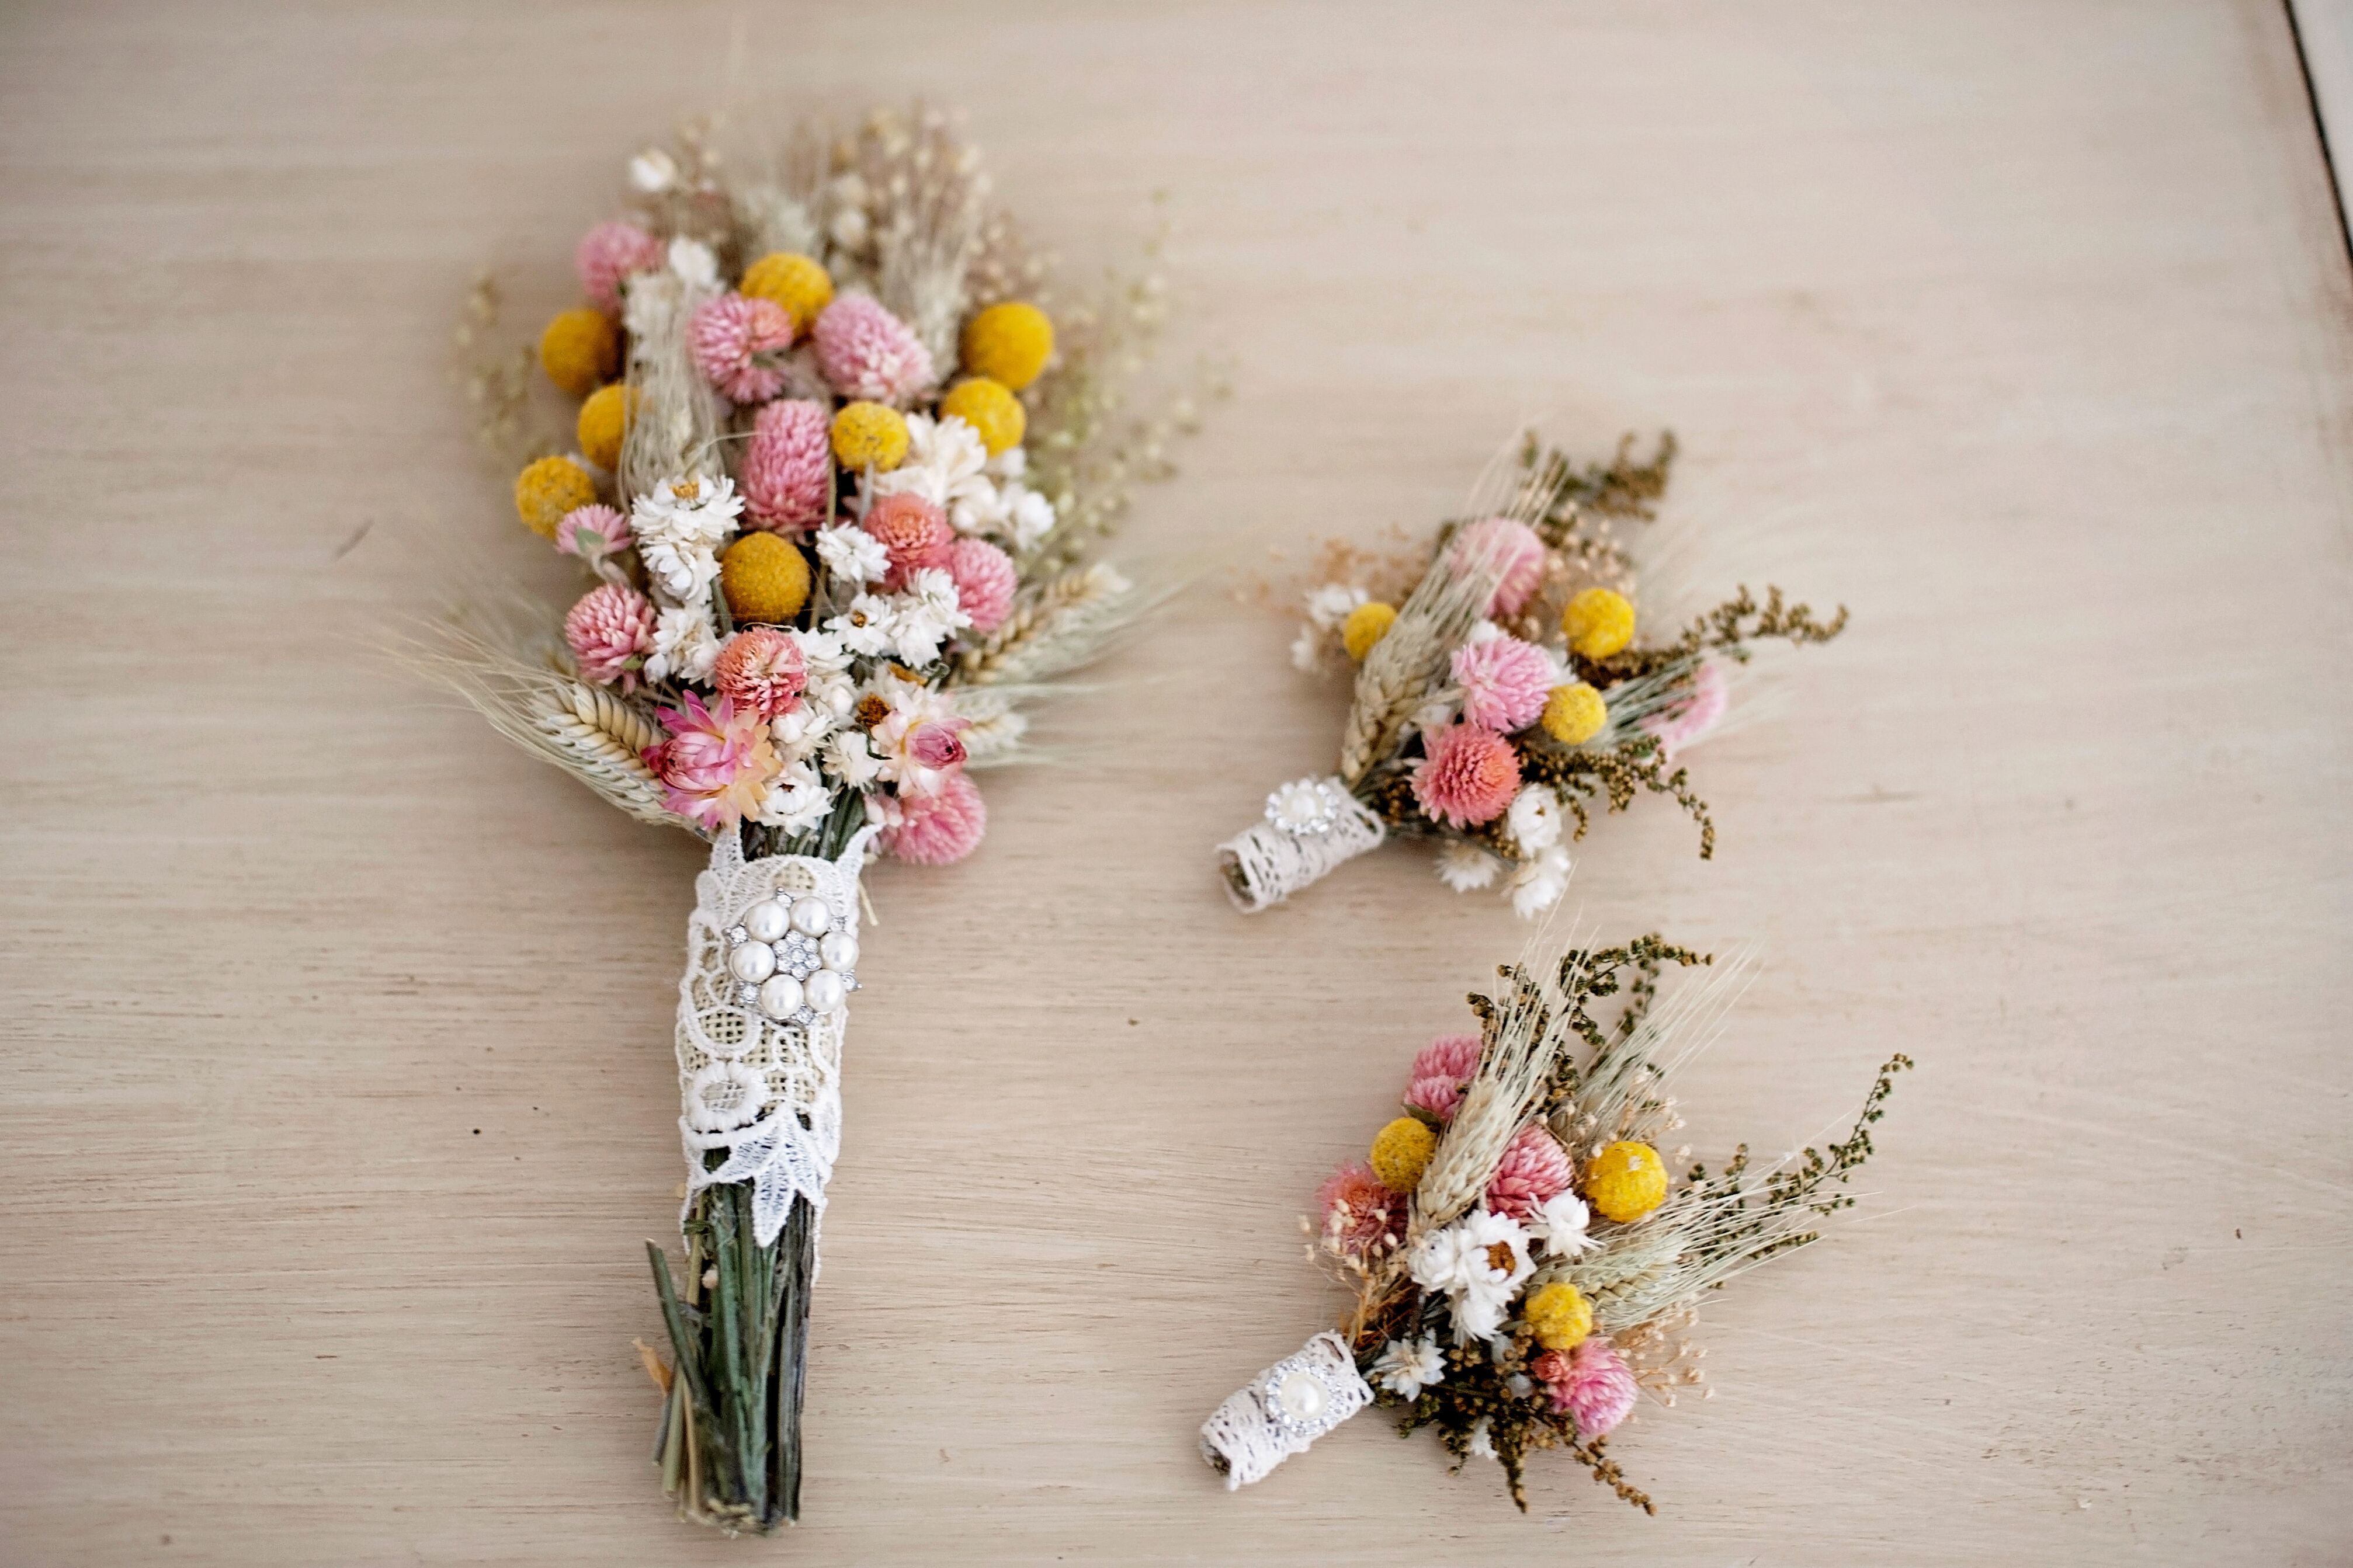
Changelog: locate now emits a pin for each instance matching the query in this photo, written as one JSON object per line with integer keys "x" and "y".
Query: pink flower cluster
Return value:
{"x": 762, "y": 671}
{"x": 788, "y": 465}
{"x": 607, "y": 253}
{"x": 735, "y": 338}
{"x": 935, "y": 829}
{"x": 715, "y": 763}
{"x": 1440, "y": 1073}
{"x": 1512, "y": 548}
{"x": 866, "y": 352}
{"x": 1591, "y": 1385}
{"x": 1687, "y": 722}
{"x": 1363, "y": 1213}
{"x": 1504, "y": 682}
{"x": 610, "y": 631}
{"x": 985, "y": 578}
{"x": 1534, "y": 1169}
{"x": 915, "y": 533}
{"x": 1467, "y": 776}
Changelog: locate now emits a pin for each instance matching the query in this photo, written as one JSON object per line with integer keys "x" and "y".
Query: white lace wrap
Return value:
{"x": 766, "y": 1089}
{"x": 1285, "y": 1408}
{"x": 1313, "y": 826}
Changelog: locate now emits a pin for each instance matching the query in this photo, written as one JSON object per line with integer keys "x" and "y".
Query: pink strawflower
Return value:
{"x": 1440, "y": 1073}
{"x": 592, "y": 532}
{"x": 735, "y": 338}
{"x": 1469, "y": 776}
{"x": 913, "y": 530}
{"x": 933, "y": 830}
{"x": 761, "y": 671}
{"x": 716, "y": 762}
{"x": 610, "y": 252}
{"x": 985, "y": 581}
{"x": 866, "y": 352}
{"x": 787, "y": 464}
{"x": 1688, "y": 722}
{"x": 1374, "y": 1214}
{"x": 1504, "y": 682}
{"x": 1535, "y": 1167}
{"x": 1591, "y": 1385}
{"x": 610, "y": 631}
{"x": 1512, "y": 546}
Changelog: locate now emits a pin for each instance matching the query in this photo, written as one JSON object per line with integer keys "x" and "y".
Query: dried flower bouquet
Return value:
{"x": 834, "y": 471}
{"x": 1500, "y": 691}
{"x": 1524, "y": 1266}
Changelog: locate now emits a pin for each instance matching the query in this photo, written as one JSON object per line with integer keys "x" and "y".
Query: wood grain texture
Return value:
{"x": 338, "y": 1095}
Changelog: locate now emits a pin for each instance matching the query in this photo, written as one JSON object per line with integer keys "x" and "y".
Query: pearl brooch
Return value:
{"x": 1304, "y": 808}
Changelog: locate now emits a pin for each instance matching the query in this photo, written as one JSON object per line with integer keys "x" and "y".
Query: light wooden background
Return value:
{"x": 338, "y": 1095}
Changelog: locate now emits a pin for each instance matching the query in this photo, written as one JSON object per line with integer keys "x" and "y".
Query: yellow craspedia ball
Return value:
{"x": 792, "y": 280}
{"x": 603, "y": 421}
{"x": 1574, "y": 714}
{"x": 1626, "y": 1180}
{"x": 765, "y": 578}
{"x": 1366, "y": 625}
{"x": 990, "y": 408}
{"x": 1401, "y": 1152}
{"x": 580, "y": 351}
{"x": 1598, "y": 622}
{"x": 868, "y": 435}
{"x": 547, "y": 489}
{"x": 1560, "y": 1316}
{"x": 1008, "y": 343}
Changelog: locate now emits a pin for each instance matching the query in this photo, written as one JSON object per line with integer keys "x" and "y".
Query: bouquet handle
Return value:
{"x": 1311, "y": 827}
{"x": 1283, "y": 1410}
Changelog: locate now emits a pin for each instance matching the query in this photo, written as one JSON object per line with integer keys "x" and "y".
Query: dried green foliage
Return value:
{"x": 1729, "y": 628}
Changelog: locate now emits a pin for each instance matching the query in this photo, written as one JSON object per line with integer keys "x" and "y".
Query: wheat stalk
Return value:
{"x": 1056, "y": 627}
{"x": 1412, "y": 660}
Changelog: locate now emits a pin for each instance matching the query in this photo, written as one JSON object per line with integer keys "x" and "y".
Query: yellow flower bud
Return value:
{"x": 1365, "y": 626}
{"x": 603, "y": 421}
{"x": 868, "y": 435}
{"x": 990, "y": 410}
{"x": 764, "y": 579}
{"x": 580, "y": 351}
{"x": 1560, "y": 1316}
{"x": 1626, "y": 1180}
{"x": 1574, "y": 714}
{"x": 800, "y": 285}
{"x": 1009, "y": 343}
{"x": 1598, "y": 622}
{"x": 1401, "y": 1152}
{"x": 547, "y": 489}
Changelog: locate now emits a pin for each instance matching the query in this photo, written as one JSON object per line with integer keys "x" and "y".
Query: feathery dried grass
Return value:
{"x": 1054, "y": 627}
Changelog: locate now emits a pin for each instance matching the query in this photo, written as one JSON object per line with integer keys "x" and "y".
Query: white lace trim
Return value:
{"x": 1285, "y": 1408}
{"x": 766, "y": 1090}
{"x": 1268, "y": 861}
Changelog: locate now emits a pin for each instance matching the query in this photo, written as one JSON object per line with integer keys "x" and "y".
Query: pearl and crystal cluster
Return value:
{"x": 1304, "y": 807}
{"x": 789, "y": 962}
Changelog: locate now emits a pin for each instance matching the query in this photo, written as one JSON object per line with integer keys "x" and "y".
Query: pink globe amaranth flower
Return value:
{"x": 1688, "y": 722}
{"x": 913, "y": 530}
{"x": 1535, "y": 1167}
{"x": 1511, "y": 547}
{"x": 1442, "y": 1070}
{"x": 592, "y": 532}
{"x": 610, "y": 631}
{"x": 761, "y": 671}
{"x": 985, "y": 581}
{"x": 716, "y": 762}
{"x": 610, "y": 252}
{"x": 787, "y": 465}
{"x": 1504, "y": 682}
{"x": 731, "y": 338}
{"x": 1374, "y": 1214}
{"x": 935, "y": 829}
{"x": 1591, "y": 1385}
{"x": 865, "y": 352}
{"x": 1469, "y": 775}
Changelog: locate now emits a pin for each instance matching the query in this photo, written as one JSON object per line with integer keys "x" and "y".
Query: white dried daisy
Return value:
{"x": 1463, "y": 866}
{"x": 1405, "y": 1367}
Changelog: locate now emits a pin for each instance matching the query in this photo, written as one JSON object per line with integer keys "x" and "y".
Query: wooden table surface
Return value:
{"x": 338, "y": 1090}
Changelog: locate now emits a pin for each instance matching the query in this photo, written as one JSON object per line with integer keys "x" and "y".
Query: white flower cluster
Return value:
{"x": 947, "y": 466}
{"x": 1319, "y": 638}
{"x": 1536, "y": 826}
{"x": 1480, "y": 1264}
{"x": 680, "y": 524}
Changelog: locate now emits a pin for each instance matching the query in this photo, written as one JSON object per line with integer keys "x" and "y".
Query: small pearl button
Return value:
{"x": 812, "y": 918}
{"x": 753, "y": 963}
{"x": 765, "y": 921}
{"x": 1301, "y": 1397}
{"x": 781, "y": 996}
{"x": 825, "y": 991}
{"x": 838, "y": 950}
